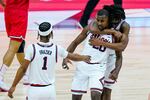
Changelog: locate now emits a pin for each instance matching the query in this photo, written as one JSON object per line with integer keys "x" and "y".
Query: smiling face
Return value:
{"x": 102, "y": 21}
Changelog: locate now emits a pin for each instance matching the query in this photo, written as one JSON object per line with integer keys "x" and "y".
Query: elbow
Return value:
{"x": 120, "y": 48}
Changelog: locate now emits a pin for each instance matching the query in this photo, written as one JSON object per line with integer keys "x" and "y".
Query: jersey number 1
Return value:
{"x": 45, "y": 63}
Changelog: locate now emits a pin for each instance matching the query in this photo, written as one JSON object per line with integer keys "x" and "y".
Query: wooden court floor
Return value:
{"x": 134, "y": 78}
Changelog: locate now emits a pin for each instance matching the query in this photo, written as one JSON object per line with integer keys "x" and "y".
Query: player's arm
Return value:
{"x": 77, "y": 57}
{"x": 121, "y": 45}
{"x": 22, "y": 69}
{"x": 20, "y": 73}
{"x": 95, "y": 30}
{"x": 2, "y": 3}
{"x": 114, "y": 73}
{"x": 73, "y": 46}
{"x": 78, "y": 40}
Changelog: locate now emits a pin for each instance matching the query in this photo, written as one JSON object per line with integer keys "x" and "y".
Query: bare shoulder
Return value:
{"x": 125, "y": 28}
{"x": 125, "y": 25}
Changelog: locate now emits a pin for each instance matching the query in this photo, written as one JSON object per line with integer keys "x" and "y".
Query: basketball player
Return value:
{"x": 118, "y": 25}
{"x": 91, "y": 75}
{"x": 16, "y": 16}
{"x": 42, "y": 58}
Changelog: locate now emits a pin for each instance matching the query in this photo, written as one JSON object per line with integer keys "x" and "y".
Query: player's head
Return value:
{"x": 45, "y": 31}
{"x": 116, "y": 14}
{"x": 102, "y": 19}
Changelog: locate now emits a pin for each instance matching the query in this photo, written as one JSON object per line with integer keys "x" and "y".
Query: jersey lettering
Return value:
{"x": 45, "y": 52}
{"x": 45, "y": 64}
{"x": 100, "y": 48}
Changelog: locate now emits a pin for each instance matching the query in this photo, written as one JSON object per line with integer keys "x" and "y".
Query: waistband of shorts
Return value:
{"x": 93, "y": 63}
{"x": 39, "y": 85}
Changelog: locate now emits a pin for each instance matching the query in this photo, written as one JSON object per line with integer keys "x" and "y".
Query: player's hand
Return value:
{"x": 109, "y": 31}
{"x": 64, "y": 63}
{"x": 95, "y": 42}
{"x": 87, "y": 59}
{"x": 11, "y": 91}
{"x": 117, "y": 34}
{"x": 114, "y": 75}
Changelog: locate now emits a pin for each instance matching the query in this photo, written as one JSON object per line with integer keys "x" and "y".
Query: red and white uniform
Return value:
{"x": 91, "y": 75}
{"x": 16, "y": 18}
{"x": 43, "y": 57}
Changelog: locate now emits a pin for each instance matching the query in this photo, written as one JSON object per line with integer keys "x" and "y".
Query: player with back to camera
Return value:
{"x": 41, "y": 59}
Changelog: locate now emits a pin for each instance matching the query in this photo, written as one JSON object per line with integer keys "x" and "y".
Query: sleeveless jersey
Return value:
{"x": 43, "y": 57}
{"x": 98, "y": 53}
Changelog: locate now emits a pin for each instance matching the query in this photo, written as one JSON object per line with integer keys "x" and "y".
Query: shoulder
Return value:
{"x": 125, "y": 24}
{"x": 92, "y": 24}
{"x": 30, "y": 47}
{"x": 58, "y": 46}
{"x": 125, "y": 27}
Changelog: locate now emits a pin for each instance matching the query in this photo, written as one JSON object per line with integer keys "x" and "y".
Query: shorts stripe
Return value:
{"x": 108, "y": 82}
{"x": 93, "y": 89}
{"x": 17, "y": 37}
{"x": 79, "y": 91}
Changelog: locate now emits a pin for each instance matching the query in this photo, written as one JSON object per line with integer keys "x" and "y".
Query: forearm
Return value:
{"x": 114, "y": 46}
{"x": 118, "y": 63}
{"x": 75, "y": 57}
{"x": 97, "y": 31}
{"x": 72, "y": 47}
{"x": 18, "y": 77}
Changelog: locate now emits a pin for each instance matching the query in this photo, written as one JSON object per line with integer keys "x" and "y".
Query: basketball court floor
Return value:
{"x": 134, "y": 79}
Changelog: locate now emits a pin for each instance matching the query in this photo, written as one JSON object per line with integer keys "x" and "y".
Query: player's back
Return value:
{"x": 42, "y": 67}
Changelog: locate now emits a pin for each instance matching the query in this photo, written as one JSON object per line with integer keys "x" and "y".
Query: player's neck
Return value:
{"x": 44, "y": 41}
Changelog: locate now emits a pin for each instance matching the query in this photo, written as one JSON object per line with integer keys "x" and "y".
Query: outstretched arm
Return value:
{"x": 73, "y": 46}
{"x": 77, "y": 57}
{"x": 21, "y": 71}
{"x": 78, "y": 40}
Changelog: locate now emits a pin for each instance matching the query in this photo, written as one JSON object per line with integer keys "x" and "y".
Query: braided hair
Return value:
{"x": 115, "y": 13}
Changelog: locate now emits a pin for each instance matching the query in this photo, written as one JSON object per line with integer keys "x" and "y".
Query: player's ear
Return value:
{"x": 51, "y": 34}
{"x": 38, "y": 35}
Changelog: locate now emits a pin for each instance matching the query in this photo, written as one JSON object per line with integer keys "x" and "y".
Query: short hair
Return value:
{"x": 45, "y": 26}
{"x": 45, "y": 29}
{"x": 103, "y": 12}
